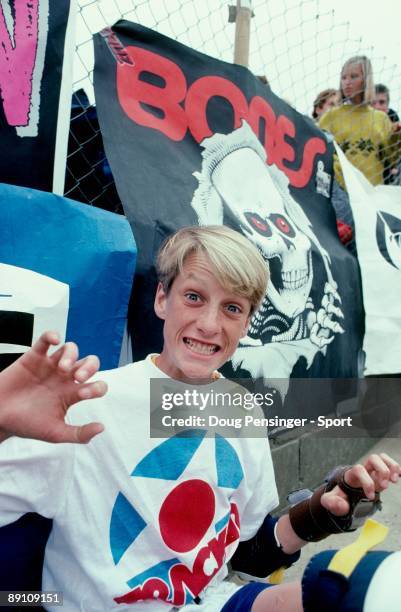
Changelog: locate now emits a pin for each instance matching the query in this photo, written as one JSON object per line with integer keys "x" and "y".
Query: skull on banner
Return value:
{"x": 238, "y": 188}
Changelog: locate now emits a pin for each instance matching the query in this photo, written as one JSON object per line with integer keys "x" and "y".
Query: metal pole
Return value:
{"x": 243, "y": 16}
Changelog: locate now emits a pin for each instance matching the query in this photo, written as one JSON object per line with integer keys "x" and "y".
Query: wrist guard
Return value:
{"x": 312, "y": 522}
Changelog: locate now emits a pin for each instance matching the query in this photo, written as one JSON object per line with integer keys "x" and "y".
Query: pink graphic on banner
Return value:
{"x": 19, "y": 38}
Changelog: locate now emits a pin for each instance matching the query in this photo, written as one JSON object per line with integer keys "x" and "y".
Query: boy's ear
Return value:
{"x": 160, "y": 302}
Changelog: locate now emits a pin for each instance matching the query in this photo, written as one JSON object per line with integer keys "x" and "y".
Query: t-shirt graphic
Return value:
{"x": 193, "y": 527}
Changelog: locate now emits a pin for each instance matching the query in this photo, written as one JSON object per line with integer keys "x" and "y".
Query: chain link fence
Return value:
{"x": 299, "y": 46}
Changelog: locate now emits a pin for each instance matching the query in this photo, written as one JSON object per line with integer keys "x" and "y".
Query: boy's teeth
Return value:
{"x": 199, "y": 347}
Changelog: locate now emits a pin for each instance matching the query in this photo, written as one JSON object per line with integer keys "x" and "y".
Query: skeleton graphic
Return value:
{"x": 236, "y": 185}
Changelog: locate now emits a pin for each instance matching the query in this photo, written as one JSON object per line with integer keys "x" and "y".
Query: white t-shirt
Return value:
{"x": 138, "y": 523}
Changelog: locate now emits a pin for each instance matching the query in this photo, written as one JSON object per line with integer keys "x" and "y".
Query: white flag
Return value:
{"x": 377, "y": 216}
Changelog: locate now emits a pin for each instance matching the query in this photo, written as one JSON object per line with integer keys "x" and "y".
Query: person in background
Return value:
{"x": 381, "y": 102}
{"x": 325, "y": 100}
{"x": 366, "y": 135}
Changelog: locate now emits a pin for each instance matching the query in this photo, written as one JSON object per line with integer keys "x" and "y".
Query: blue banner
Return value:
{"x": 64, "y": 266}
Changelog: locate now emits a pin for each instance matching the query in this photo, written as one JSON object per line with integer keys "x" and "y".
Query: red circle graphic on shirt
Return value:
{"x": 186, "y": 514}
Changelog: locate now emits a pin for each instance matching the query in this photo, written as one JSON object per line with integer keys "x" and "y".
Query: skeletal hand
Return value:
{"x": 322, "y": 325}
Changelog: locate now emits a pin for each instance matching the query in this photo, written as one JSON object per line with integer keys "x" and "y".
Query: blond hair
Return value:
{"x": 367, "y": 72}
{"x": 234, "y": 260}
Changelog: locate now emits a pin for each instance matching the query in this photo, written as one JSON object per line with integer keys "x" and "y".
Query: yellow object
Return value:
{"x": 277, "y": 576}
{"x": 346, "y": 559}
{"x": 366, "y": 137}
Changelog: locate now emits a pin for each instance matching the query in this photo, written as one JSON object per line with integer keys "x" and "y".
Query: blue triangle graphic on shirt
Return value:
{"x": 229, "y": 469}
{"x": 125, "y": 526}
{"x": 219, "y": 526}
{"x": 170, "y": 458}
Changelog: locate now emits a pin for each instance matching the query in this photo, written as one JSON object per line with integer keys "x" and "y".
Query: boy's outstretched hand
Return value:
{"x": 375, "y": 474}
{"x": 37, "y": 390}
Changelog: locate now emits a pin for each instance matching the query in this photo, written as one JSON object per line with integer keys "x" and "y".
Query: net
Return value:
{"x": 299, "y": 46}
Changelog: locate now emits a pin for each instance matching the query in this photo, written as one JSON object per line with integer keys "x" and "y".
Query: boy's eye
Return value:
{"x": 234, "y": 308}
{"x": 193, "y": 297}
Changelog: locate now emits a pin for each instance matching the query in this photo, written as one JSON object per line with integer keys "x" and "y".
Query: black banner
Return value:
{"x": 32, "y": 37}
{"x": 193, "y": 140}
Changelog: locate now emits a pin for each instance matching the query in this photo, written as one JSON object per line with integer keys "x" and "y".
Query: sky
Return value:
{"x": 300, "y": 45}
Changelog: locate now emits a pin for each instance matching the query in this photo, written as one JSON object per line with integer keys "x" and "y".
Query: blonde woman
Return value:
{"x": 365, "y": 134}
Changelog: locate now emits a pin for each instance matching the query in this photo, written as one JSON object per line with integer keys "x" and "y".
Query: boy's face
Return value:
{"x": 203, "y": 322}
{"x": 381, "y": 102}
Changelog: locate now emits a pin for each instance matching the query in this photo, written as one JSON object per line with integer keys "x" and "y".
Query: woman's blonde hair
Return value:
{"x": 234, "y": 260}
{"x": 367, "y": 72}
